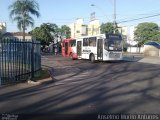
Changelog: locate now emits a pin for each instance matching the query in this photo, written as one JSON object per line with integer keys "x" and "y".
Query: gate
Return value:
{"x": 18, "y": 60}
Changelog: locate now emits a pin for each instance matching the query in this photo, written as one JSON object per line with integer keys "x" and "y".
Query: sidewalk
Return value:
{"x": 151, "y": 60}
{"x": 141, "y": 58}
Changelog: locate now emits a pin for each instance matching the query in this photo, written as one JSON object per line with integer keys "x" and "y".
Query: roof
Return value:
{"x": 155, "y": 44}
{"x": 15, "y": 34}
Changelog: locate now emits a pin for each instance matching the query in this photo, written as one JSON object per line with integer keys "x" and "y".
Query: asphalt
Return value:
{"x": 83, "y": 87}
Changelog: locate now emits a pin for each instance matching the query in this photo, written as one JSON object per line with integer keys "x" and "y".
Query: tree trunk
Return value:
{"x": 23, "y": 31}
{"x": 23, "y": 27}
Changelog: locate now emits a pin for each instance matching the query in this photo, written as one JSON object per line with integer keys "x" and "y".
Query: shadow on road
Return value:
{"x": 118, "y": 87}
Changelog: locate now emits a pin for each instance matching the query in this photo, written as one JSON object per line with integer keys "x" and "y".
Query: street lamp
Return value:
{"x": 92, "y": 5}
{"x": 114, "y": 14}
{"x": 102, "y": 11}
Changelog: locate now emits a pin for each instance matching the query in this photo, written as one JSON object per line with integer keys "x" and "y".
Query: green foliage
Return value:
{"x": 157, "y": 37}
{"x": 65, "y": 30}
{"x": 45, "y": 33}
{"x": 21, "y": 11}
{"x": 48, "y": 31}
{"x": 147, "y": 32}
{"x": 108, "y": 28}
{"x": 42, "y": 74}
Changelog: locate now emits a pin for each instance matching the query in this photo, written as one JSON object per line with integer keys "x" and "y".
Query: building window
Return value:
{"x": 89, "y": 29}
{"x": 77, "y": 31}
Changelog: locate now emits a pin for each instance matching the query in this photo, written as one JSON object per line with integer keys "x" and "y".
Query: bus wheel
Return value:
{"x": 92, "y": 58}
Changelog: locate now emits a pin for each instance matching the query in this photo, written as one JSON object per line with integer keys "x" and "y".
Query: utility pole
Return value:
{"x": 114, "y": 15}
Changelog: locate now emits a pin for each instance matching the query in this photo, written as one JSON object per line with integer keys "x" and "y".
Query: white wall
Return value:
{"x": 135, "y": 49}
{"x": 150, "y": 50}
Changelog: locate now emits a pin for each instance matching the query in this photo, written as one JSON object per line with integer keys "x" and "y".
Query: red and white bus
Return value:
{"x": 103, "y": 47}
{"x": 69, "y": 48}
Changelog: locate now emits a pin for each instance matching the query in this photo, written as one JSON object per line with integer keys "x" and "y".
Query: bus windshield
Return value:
{"x": 113, "y": 45}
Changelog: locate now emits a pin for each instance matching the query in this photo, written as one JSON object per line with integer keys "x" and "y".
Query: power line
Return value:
{"x": 139, "y": 18}
{"x": 41, "y": 21}
{"x": 133, "y": 16}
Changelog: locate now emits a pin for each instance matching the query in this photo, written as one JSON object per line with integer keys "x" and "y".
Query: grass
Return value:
{"x": 41, "y": 74}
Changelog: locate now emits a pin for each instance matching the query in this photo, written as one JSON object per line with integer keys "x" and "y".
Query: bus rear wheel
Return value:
{"x": 92, "y": 58}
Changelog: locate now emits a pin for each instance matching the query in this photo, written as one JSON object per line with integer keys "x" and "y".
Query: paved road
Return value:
{"x": 141, "y": 58}
{"x": 83, "y": 87}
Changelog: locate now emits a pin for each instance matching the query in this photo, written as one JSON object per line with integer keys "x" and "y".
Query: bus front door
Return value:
{"x": 100, "y": 49}
{"x": 66, "y": 48}
{"x": 79, "y": 48}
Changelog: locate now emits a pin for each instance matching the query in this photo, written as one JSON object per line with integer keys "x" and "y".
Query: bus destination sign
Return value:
{"x": 114, "y": 36}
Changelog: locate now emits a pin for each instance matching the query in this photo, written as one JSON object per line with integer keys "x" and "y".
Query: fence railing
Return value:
{"x": 18, "y": 60}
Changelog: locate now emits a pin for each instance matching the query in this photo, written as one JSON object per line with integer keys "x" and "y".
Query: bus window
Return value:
{"x": 92, "y": 41}
{"x": 113, "y": 45}
{"x": 72, "y": 43}
{"x": 85, "y": 42}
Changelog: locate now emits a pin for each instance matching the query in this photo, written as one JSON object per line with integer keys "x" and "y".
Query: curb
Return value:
{"x": 43, "y": 81}
{"x": 33, "y": 82}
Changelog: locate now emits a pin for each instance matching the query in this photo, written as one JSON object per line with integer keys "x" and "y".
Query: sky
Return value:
{"x": 64, "y": 12}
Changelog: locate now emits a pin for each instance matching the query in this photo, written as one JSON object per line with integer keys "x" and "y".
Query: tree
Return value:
{"x": 157, "y": 37}
{"x": 21, "y": 11}
{"x": 146, "y": 32}
{"x": 65, "y": 30}
{"x": 108, "y": 28}
{"x": 45, "y": 33}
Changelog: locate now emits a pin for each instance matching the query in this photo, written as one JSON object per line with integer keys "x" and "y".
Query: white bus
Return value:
{"x": 103, "y": 47}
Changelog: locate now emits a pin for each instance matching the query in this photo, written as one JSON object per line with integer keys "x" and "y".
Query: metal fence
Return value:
{"x": 18, "y": 60}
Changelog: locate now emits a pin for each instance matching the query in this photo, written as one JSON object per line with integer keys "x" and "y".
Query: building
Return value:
{"x": 123, "y": 30}
{"x": 131, "y": 32}
{"x": 94, "y": 27}
{"x": 152, "y": 49}
{"x": 17, "y": 35}
{"x": 78, "y": 28}
{"x": 128, "y": 33}
{"x": 2, "y": 27}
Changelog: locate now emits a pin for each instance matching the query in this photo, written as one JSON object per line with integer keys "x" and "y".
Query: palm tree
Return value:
{"x": 21, "y": 11}
{"x": 1, "y": 31}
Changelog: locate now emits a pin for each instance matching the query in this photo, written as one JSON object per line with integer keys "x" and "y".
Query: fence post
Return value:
{"x": 32, "y": 60}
